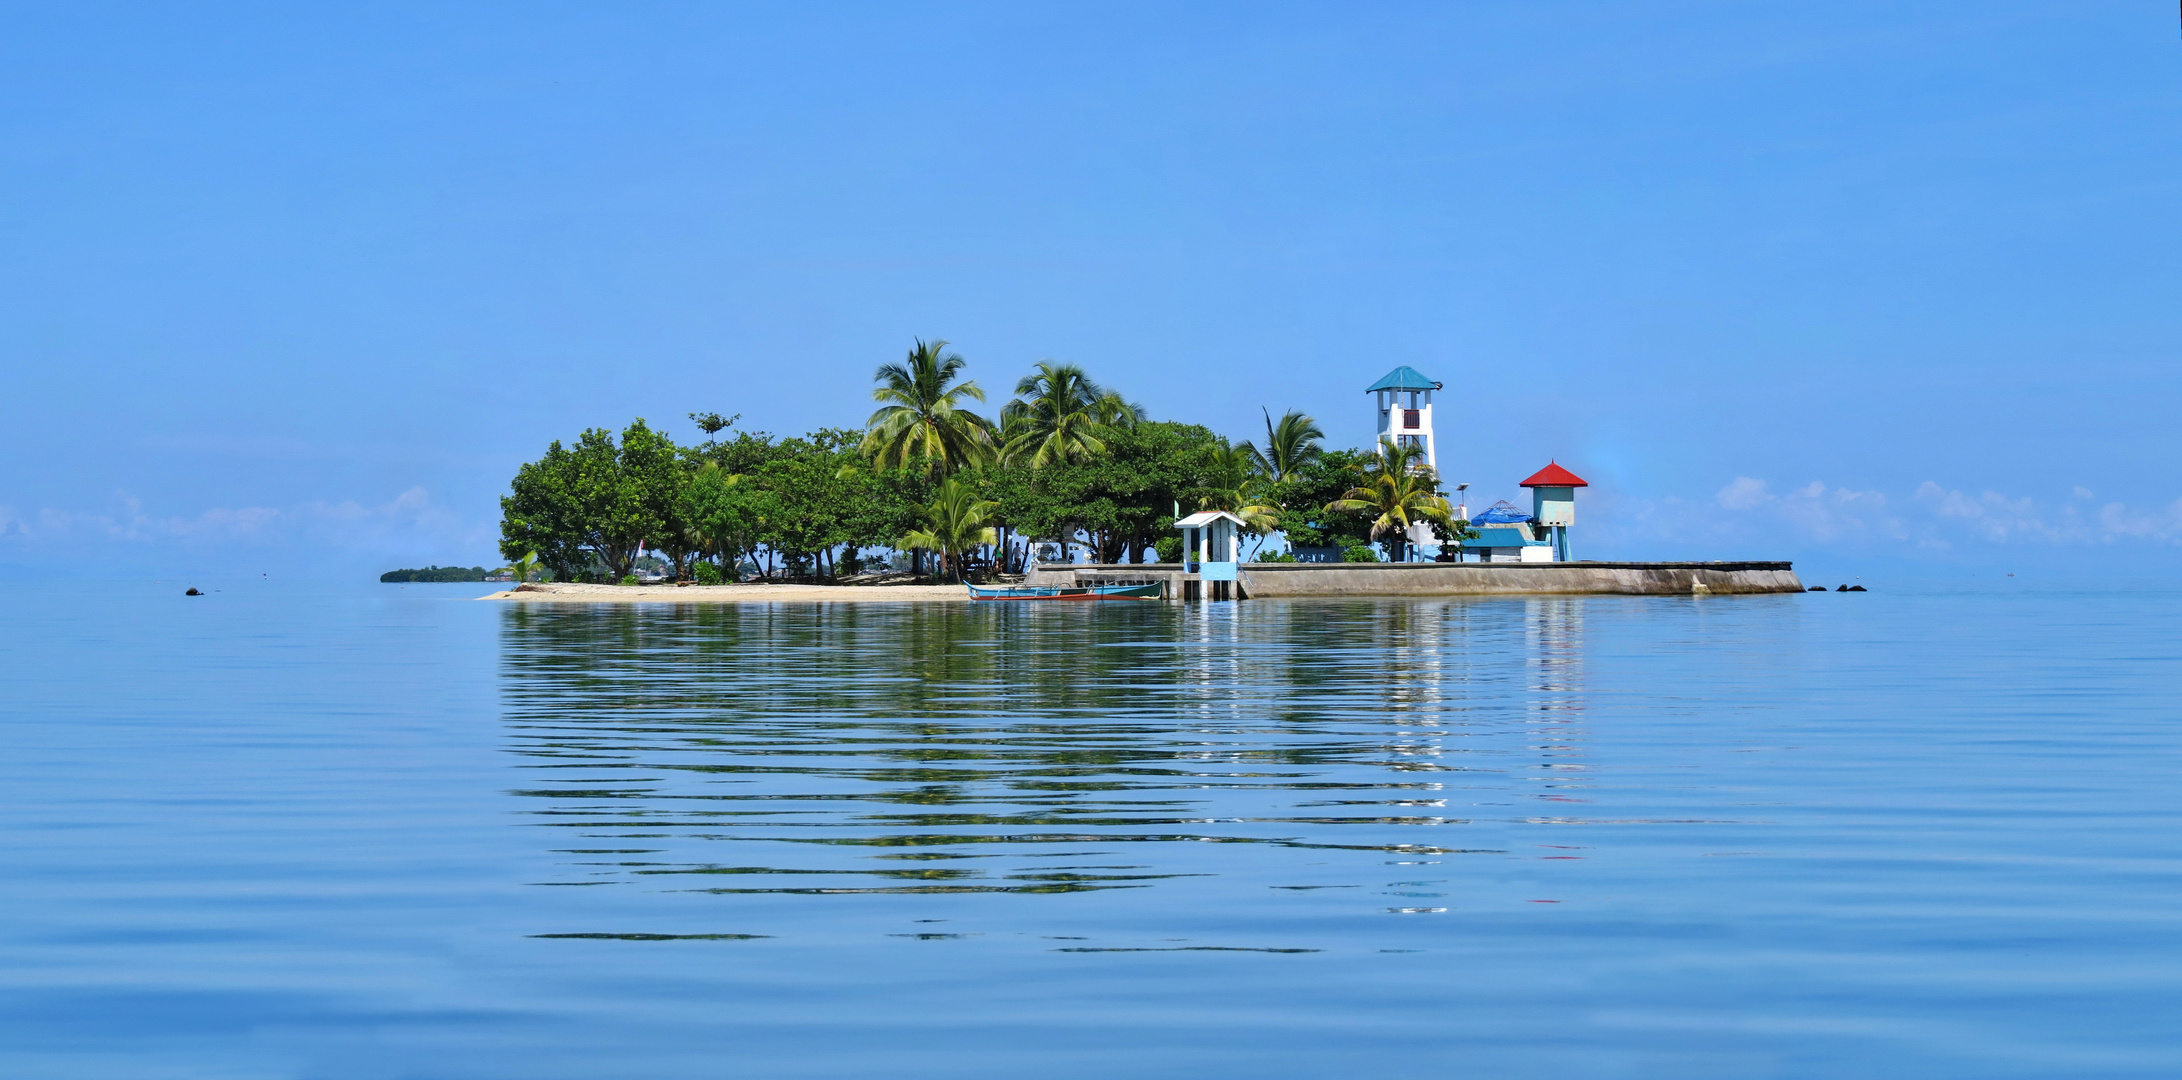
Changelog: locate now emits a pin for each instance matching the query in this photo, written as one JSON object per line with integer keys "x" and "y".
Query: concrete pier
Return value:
{"x": 1284, "y": 580}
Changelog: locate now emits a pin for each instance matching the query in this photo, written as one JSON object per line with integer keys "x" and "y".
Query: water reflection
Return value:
{"x": 949, "y": 748}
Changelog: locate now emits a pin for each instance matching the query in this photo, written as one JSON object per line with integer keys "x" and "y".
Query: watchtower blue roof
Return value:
{"x": 1402, "y": 378}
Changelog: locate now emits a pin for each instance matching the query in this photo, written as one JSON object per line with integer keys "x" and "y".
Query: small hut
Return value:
{"x": 1505, "y": 534}
{"x": 1210, "y": 552}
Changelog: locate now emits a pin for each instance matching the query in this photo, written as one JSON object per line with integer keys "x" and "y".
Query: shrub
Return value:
{"x": 1276, "y": 556}
{"x": 1360, "y": 553}
{"x": 706, "y": 572}
{"x": 628, "y": 579}
{"x": 1169, "y": 548}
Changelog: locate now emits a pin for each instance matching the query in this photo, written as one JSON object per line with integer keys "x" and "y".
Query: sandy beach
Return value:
{"x": 755, "y": 593}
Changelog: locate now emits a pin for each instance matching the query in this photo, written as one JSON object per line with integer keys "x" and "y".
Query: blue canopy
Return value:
{"x": 1499, "y": 513}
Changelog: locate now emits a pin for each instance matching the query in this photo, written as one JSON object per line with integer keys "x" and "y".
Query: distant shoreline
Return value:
{"x": 756, "y": 593}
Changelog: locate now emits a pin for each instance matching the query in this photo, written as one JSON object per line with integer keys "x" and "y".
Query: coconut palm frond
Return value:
{"x": 1229, "y": 480}
{"x": 1398, "y": 492}
{"x": 1060, "y": 415}
{"x": 1289, "y": 444}
{"x": 954, "y": 523}
{"x": 922, "y": 421}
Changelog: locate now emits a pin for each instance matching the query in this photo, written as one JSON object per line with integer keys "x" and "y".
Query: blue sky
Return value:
{"x": 294, "y": 286}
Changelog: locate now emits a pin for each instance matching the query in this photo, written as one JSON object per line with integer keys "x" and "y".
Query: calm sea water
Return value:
{"x": 388, "y": 832}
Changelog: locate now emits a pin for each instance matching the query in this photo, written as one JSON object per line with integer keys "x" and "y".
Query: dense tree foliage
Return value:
{"x": 1071, "y": 464}
{"x": 436, "y": 573}
{"x": 1060, "y": 416}
{"x": 954, "y": 525}
{"x": 1305, "y": 500}
{"x": 1397, "y": 495}
{"x": 596, "y": 504}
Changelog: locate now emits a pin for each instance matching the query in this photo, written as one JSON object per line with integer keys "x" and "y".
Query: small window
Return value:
{"x": 1412, "y": 418}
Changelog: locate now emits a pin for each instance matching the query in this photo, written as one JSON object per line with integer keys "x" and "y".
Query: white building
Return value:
{"x": 1404, "y": 400}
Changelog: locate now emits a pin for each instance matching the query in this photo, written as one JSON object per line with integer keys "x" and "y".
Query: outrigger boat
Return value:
{"x": 1152, "y": 591}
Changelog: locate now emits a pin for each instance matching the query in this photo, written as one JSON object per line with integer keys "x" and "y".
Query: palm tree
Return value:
{"x": 1400, "y": 493}
{"x": 522, "y": 568}
{"x": 1288, "y": 444}
{"x": 1228, "y": 483}
{"x": 954, "y": 523}
{"x": 1059, "y": 415}
{"x": 924, "y": 420}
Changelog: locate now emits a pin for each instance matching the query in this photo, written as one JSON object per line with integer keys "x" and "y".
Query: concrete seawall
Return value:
{"x": 1271, "y": 580}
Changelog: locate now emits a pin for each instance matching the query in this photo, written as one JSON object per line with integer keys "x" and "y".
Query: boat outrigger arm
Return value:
{"x": 1153, "y": 591}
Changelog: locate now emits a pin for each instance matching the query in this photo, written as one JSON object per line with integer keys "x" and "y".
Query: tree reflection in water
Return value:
{"x": 932, "y": 748}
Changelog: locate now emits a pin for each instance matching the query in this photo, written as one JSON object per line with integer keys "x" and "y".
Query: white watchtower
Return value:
{"x": 1404, "y": 401}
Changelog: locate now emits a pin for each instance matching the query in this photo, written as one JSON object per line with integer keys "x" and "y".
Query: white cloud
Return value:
{"x": 1819, "y": 511}
{"x": 1996, "y": 517}
{"x": 2117, "y": 520}
{"x": 1743, "y": 493}
{"x": 1940, "y": 517}
{"x": 127, "y": 521}
{"x": 411, "y": 512}
{"x": 411, "y": 519}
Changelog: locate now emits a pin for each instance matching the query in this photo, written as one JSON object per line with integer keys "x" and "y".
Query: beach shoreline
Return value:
{"x": 752, "y": 593}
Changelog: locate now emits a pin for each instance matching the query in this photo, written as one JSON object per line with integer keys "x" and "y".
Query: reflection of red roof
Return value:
{"x": 1554, "y": 476}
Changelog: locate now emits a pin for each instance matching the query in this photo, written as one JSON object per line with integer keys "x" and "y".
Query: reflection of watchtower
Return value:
{"x": 1553, "y": 504}
{"x": 1404, "y": 401}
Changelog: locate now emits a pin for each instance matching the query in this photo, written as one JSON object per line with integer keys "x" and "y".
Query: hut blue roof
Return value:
{"x": 1402, "y": 378}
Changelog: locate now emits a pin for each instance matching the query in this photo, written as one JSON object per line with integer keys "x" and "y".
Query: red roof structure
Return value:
{"x": 1554, "y": 476}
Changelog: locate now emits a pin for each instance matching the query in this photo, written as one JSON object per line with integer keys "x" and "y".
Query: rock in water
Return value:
{"x": 1816, "y": 588}
{"x": 1843, "y": 588}
{"x": 1858, "y": 588}
{"x": 193, "y": 592}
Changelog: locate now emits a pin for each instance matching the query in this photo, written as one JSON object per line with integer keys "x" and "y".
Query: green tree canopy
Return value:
{"x": 1232, "y": 482}
{"x": 598, "y": 502}
{"x": 1397, "y": 490}
{"x": 1124, "y": 499}
{"x": 1059, "y": 415}
{"x": 728, "y": 515}
{"x": 1304, "y": 499}
{"x": 954, "y": 524}
{"x": 1288, "y": 445}
{"x": 923, "y": 423}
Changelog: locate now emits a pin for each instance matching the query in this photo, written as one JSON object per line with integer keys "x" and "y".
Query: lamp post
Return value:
{"x": 1462, "y": 513}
